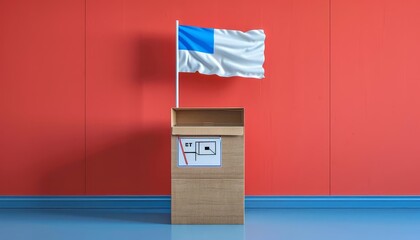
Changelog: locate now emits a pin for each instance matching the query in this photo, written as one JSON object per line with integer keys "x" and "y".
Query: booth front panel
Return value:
{"x": 208, "y": 194}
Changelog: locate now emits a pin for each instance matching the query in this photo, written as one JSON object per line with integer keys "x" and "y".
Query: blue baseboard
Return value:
{"x": 333, "y": 202}
{"x": 251, "y": 202}
{"x": 85, "y": 202}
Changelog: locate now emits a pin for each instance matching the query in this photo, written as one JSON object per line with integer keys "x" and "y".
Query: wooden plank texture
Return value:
{"x": 208, "y": 117}
{"x": 228, "y": 131}
{"x": 207, "y": 201}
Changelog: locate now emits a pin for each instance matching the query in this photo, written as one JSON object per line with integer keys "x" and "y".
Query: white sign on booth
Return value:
{"x": 199, "y": 152}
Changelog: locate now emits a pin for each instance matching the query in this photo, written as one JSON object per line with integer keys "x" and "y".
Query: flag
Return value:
{"x": 222, "y": 52}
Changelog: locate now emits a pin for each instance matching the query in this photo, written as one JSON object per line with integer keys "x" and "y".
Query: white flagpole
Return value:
{"x": 177, "y": 67}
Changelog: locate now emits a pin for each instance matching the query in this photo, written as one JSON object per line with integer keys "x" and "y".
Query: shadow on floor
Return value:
{"x": 119, "y": 215}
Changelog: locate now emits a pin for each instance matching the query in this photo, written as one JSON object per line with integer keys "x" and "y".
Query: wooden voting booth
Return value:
{"x": 207, "y": 166}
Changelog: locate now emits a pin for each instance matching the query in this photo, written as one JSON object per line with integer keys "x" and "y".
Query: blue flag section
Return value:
{"x": 196, "y": 39}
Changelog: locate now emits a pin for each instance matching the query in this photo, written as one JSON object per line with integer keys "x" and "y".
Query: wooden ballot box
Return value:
{"x": 207, "y": 166}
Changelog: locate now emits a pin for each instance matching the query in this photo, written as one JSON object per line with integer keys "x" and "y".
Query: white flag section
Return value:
{"x": 222, "y": 52}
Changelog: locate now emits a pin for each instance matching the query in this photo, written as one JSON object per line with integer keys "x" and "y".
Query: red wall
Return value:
{"x": 86, "y": 88}
{"x": 375, "y": 97}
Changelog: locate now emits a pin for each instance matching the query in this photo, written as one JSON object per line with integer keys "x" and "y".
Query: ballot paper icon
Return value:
{"x": 206, "y": 148}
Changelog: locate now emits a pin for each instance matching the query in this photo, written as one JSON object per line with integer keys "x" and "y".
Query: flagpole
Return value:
{"x": 177, "y": 67}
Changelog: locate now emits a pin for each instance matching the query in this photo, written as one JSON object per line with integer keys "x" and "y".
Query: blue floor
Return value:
{"x": 261, "y": 224}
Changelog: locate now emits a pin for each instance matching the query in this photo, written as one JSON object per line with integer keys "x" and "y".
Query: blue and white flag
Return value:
{"x": 223, "y": 52}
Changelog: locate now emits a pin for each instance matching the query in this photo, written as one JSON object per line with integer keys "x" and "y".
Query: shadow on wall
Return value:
{"x": 135, "y": 163}
{"x": 131, "y": 156}
{"x": 154, "y": 59}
